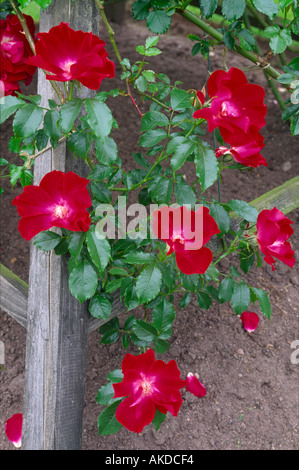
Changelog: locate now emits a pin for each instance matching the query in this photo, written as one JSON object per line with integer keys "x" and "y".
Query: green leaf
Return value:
{"x": 163, "y": 317}
{"x": 140, "y": 9}
{"x": 161, "y": 346}
{"x": 281, "y": 41}
{"x": 99, "y": 249}
{"x": 26, "y": 178}
{"x": 76, "y": 240}
{"x": 106, "y": 150}
{"x": 26, "y": 120}
{"x": 101, "y": 192}
{"x": 110, "y": 331}
{"x": 101, "y": 172}
{"x": 78, "y": 144}
{"x": 144, "y": 331}
{"x": 184, "y": 194}
{"x": 190, "y": 281}
{"x": 100, "y": 307}
{"x": 116, "y": 375}
{"x": 208, "y": 7}
{"x": 246, "y": 258}
{"x": 160, "y": 189}
{"x": 221, "y": 217}
{"x": 263, "y": 299}
{"x": 204, "y": 300}
{"x": 52, "y": 126}
{"x": 141, "y": 84}
{"x": 181, "y": 153}
{"x": 68, "y": 112}
{"x": 233, "y": 9}
{"x": 225, "y": 290}
{"x": 151, "y": 41}
{"x": 83, "y": 281}
{"x": 107, "y": 422}
{"x": 207, "y": 166}
{"x": 158, "y": 419}
{"x": 139, "y": 158}
{"x": 99, "y": 117}
{"x": 152, "y": 119}
{"x": 152, "y": 51}
{"x": 9, "y": 105}
{"x": 158, "y": 22}
{"x": 47, "y": 241}
{"x": 180, "y": 100}
{"x": 240, "y": 298}
{"x": 247, "y": 40}
{"x": 268, "y": 7}
{"x": 139, "y": 257}
{"x": 3, "y": 162}
{"x": 243, "y": 209}
{"x": 152, "y": 137}
{"x": 105, "y": 395}
{"x": 148, "y": 283}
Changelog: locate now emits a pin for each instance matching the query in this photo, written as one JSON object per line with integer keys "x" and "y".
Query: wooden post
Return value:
{"x": 56, "y": 322}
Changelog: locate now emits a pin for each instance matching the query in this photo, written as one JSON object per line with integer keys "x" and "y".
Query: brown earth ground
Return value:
{"x": 252, "y": 387}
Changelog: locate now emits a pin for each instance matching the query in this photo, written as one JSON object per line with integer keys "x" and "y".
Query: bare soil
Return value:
{"x": 252, "y": 399}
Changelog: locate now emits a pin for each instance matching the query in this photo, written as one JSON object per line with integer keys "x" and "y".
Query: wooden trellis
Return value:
{"x": 57, "y": 324}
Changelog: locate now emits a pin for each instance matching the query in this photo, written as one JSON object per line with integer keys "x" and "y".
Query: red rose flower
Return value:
{"x": 250, "y": 321}
{"x": 273, "y": 231}
{"x": 13, "y": 429}
{"x": 149, "y": 385}
{"x": 194, "y": 386}
{"x": 15, "y": 52}
{"x": 247, "y": 154}
{"x": 200, "y": 98}
{"x": 60, "y": 200}
{"x": 73, "y": 55}
{"x": 186, "y": 232}
{"x": 237, "y": 107}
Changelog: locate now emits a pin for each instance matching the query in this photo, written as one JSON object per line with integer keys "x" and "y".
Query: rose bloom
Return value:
{"x": 247, "y": 154}
{"x": 185, "y": 233}
{"x": 250, "y": 321}
{"x": 237, "y": 107}
{"x": 13, "y": 429}
{"x": 60, "y": 200}
{"x": 15, "y": 52}
{"x": 149, "y": 385}
{"x": 73, "y": 55}
{"x": 273, "y": 231}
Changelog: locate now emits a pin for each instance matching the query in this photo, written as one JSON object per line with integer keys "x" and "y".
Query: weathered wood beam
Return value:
{"x": 57, "y": 323}
{"x": 13, "y": 295}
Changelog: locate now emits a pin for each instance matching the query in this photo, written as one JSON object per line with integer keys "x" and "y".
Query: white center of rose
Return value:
{"x": 60, "y": 212}
{"x": 146, "y": 387}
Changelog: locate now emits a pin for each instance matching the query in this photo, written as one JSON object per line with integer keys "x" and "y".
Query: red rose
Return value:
{"x": 15, "y": 52}
{"x": 60, "y": 200}
{"x": 149, "y": 385}
{"x": 73, "y": 55}
{"x": 13, "y": 429}
{"x": 250, "y": 321}
{"x": 237, "y": 107}
{"x": 273, "y": 231}
{"x": 247, "y": 154}
{"x": 185, "y": 232}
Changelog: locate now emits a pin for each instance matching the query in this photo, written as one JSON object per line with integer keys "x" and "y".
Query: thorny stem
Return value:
{"x": 111, "y": 33}
{"x": 259, "y": 61}
{"x": 32, "y": 46}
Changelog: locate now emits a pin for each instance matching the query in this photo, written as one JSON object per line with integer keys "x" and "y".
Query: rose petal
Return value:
{"x": 194, "y": 386}
{"x": 13, "y": 429}
{"x": 250, "y": 321}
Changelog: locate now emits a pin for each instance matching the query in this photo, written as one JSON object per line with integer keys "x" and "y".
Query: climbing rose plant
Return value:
{"x": 175, "y": 244}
